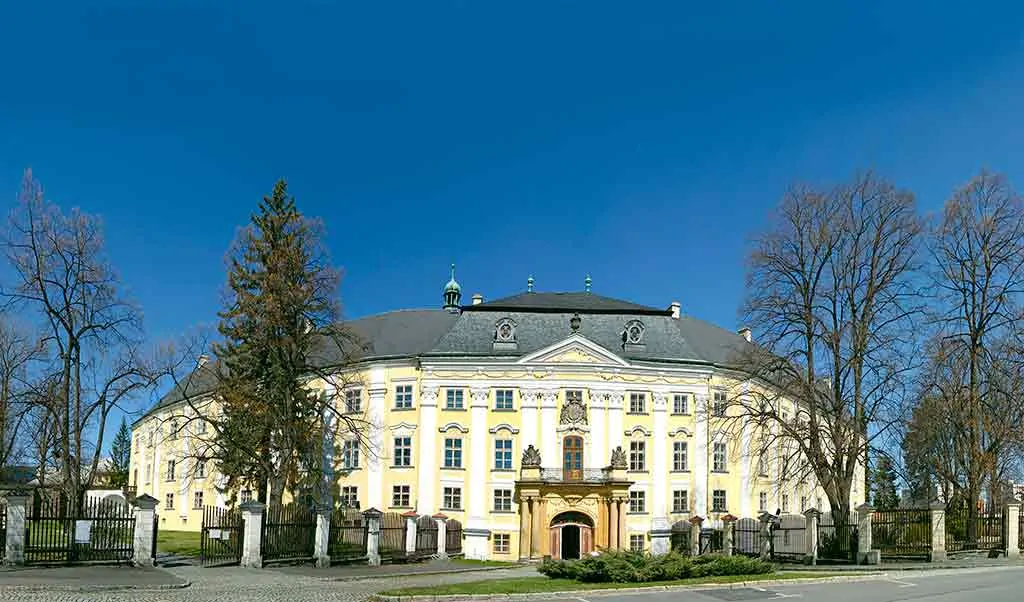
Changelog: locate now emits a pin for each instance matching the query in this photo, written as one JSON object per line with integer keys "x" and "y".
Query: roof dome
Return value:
{"x": 452, "y": 294}
{"x": 452, "y": 286}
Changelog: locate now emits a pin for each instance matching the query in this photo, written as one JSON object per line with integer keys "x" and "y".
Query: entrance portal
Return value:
{"x": 572, "y": 535}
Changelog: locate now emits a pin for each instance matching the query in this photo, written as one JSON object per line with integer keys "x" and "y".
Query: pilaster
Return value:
{"x": 615, "y": 409}
{"x": 377, "y": 452}
{"x": 426, "y": 462}
{"x": 548, "y": 425}
{"x": 528, "y": 404}
{"x": 478, "y": 462}
{"x": 700, "y": 456}
{"x": 598, "y": 428}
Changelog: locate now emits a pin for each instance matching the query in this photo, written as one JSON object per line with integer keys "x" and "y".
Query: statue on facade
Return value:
{"x": 531, "y": 457}
{"x": 619, "y": 461}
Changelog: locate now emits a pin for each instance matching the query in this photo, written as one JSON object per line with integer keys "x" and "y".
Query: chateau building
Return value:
{"x": 545, "y": 423}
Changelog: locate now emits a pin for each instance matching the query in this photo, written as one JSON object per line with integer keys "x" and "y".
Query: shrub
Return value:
{"x": 632, "y": 567}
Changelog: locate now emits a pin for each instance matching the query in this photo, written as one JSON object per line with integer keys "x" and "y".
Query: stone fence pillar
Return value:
{"x": 372, "y": 517}
{"x": 322, "y": 537}
{"x": 252, "y": 534}
{"x": 938, "y": 511}
{"x": 17, "y": 527}
{"x": 813, "y": 516}
{"x": 442, "y": 535}
{"x": 695, "y": 525}
{"x": 867, "y": 555}
{"x": 728, "y": 533}
{"x": 766, "y": 520}
{"x": 410, "y": 533}
{"x": 145, "y": 522}
{"x": 1012, "y": 530}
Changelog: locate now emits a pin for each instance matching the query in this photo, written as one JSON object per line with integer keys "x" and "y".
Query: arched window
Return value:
{"x": 572, "y": 458}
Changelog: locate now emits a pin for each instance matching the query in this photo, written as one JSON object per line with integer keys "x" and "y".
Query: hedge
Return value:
{"x": 634, "y": 567}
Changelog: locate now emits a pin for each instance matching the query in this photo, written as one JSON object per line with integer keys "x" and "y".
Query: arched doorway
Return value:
{"x": 572, "y": 535}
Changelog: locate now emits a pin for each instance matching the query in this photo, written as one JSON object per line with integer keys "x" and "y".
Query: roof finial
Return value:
{"x": 529, "y": 284}
{"x": 586, "y": 283}
{"x": 453, "y": 271}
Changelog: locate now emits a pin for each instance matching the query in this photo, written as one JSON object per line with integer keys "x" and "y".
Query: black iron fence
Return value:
{"x": 3, "y": 530}
{"x": 392, "y": 535}
{"x": 712, "y": 541}
{"x": 680, "y": 538}
{"x": 1020, "y": 532}
{"x": 452, "y": 537}
{"x": 905, "y": 533}
{"x": 789, "y": 537}
{"x": 220, "y": 538}
{"x": 982, "y": 532}
{"x": 426, "y": 536}
{"x": 347, "y": 539}
{"x": 837, "y": 538}
{"x": 289, "y": 533}
{"x": 100, "y": 530}
{"x": 746, "y": 538}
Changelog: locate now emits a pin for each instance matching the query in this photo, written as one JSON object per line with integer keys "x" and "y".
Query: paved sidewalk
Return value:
{"x": 960, "y": 563}
{"x": 391, "y": 571}
{"x": 89, "y": 578}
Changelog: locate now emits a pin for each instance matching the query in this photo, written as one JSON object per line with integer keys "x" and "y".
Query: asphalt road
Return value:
{"x": 964, "y": 585}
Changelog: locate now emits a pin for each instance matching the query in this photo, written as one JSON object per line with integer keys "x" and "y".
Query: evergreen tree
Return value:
{"x": 280, "y": 317}
{"x": 120, "y": 455}
{"x": 884, "y": 485}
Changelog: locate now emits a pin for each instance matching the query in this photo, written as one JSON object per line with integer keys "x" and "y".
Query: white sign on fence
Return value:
{"x": 214, "y": 533}
{"x": 83, "y": 528}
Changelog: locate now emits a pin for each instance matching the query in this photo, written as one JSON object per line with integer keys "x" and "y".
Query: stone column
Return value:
{"x": 410, "y": 533}
{"x": 867, "y": 555}
{"x": 322, "y": 537}
{"x": 142, "y": 541}
{"x": 524, "y": 528}
{"x": 728, "y": 533}
{"x": 252, "y": 538}
{"x": 1013, "y": 530}
{"x": 695, "y": 527}
{"x": 535, "y": 532}
{"x": 938, "y": 511}
{"x": 767, "y": 520}
{"x": 442, "y": 535}
{"x": 17, "y": 514}
{"x": 613, "y": 524}
{"x": 813, "y": 515}
{"x": 623, "y": 538}
{"x": 372, "y": 518}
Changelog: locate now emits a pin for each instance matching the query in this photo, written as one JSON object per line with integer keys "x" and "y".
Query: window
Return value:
{"x": 818, "y": 505}
{"x": 201, "y": 426}
{"x": 353, "y": 401}
{"x": 149, "y": 473}
{"x": 403, "y": 397}
{"x": 680, "y": 501}
{"x": 803, "y": 503}
{"x": 452, "y": 498}
{"x": 403, "y": 451}
{"x": 638, "y": 501}
{"x": 718, "y": 405}
{"x": 197, "y": 500}
{"x": 149, "y": 440}
{"x": 174, "y": 430}
{"x": 503, "y": 500}
{"x": 201, "y": 469}
{"x": 762, "y": 501}
{"x": 453, "y": 401}
{"x": 680, "y": 453}
{"x": 637, "y": 403}
{"x": 502, "y": 454}
{"x": 718, "y": 501}
{"x": 502, "y": 543}
{"x": 170, "y": 471}
{"x": 503, "y": 399}
{"x": 349, "y": 496}
{"x": 762, "y": 465}
{"x": 169, "y": 501}
{"x": 350, "y": 455}
{"x": 719, "y": 458}
{"x": 680, "y": 404}
{"x": 400, "y": 496}
{"x": 135, "y": 477}
{"x": 246, "y": 495}
{"x": 785, "y": 502}
{"x": 453, "y": 453}
{"x": 636, "y": 543}
{"x": 637, "y": 456}
{"x": 138, "y": 444}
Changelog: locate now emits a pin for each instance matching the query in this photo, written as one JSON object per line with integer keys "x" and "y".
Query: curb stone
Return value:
{"x": 413, "y": 575}
{"x": 96, "y": 588}
{"x": 625, "y": 590}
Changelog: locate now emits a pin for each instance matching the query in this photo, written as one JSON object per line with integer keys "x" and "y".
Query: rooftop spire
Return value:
{"x": 452, "y": 294}
{"x": 586, "y": 283}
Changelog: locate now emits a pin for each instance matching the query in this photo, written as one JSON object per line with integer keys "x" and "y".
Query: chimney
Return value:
{"x": 478, "y": 299}
{"x": 202, "y": 361}
{"x": 675, "y": 310}
{"x": 745, "y": 333}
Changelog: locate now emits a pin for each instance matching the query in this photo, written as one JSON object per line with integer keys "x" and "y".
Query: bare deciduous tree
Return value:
{"x": 17, "y": 350}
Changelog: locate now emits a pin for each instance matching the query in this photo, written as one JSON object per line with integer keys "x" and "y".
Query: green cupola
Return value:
{"x": 452, "y": 294}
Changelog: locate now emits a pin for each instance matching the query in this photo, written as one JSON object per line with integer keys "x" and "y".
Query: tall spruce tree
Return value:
{"x": 120, "y": 456}
{"x": 281, "y": 313}
{"x": 886, "y": 496}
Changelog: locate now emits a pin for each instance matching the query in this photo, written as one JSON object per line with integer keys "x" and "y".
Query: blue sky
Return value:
{"x": 641, "y": 143}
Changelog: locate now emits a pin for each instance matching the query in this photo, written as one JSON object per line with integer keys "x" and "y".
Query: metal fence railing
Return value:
{"x": 392, "y": 535}
{"x": 789, "y": 535}
{"x": 289, "y": 533}
{"x": 905, "y": 533}
{"x": 837, "y": 538}
{"x": 220, "y": 537}
{"x": 100, "y": 530}
{"x": 426, "y": 536}
{"x": 746, "y": 540}
{"x": 347, "y": 538}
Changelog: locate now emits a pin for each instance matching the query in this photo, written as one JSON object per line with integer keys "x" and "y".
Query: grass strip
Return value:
{"x": 182, "y": 543}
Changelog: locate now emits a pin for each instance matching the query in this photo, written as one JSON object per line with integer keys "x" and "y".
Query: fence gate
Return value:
{"x": 680, "y": 538}
{"x": 347, "y": 539}
{"x": 103, "y": 530}
{"x": 289, "y": 533}
{"x": 220, "y": 539}
{"x": 711, "y": 541}
{"x": 902, "y": 533}
{"x": 746, "y": 538}
{"x": 392, "y": 535}
{"x": 426, "y": 536}
{"x": 788, "y": 541}
{"x": 453, "y": 537}
{"x": 838, "y": 539}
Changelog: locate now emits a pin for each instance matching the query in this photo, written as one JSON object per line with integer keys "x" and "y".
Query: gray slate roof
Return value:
{"x": 562, "y": 302}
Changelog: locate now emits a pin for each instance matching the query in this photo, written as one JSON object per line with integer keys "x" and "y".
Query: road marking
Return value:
{"x": 781, "y": 595}
{"x": 903, "y": 584}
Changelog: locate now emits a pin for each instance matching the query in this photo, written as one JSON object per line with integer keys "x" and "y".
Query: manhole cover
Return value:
{"x": 741, "y": 593}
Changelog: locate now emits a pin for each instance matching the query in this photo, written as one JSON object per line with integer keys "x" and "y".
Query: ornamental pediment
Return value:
{"x": 575, "y": 349}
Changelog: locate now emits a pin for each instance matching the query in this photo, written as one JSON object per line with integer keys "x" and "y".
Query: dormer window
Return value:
{"x": 633, "y": 335}
{"x": 505, "y": 335}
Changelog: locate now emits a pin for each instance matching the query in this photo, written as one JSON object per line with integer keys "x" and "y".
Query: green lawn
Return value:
{"x": 185, "y": 543}
{"x": 526, "y": 585}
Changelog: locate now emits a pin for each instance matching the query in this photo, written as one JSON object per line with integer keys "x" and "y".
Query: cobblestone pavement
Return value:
{"x": 233, "y": 584}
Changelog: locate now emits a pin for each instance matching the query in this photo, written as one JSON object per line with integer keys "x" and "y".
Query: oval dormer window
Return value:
{"x": 634, "y": 333}
{"x": 505, "y": 331}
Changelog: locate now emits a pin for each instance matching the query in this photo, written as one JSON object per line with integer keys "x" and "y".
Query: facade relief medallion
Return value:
{"x": 574, "y": 412}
